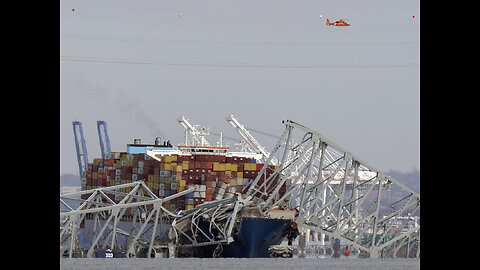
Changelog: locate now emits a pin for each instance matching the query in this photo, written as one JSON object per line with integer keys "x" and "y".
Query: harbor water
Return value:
{"x": 244, "y": 263}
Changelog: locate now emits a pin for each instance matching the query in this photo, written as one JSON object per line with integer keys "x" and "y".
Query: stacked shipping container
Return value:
{"x": 214, "y": 177}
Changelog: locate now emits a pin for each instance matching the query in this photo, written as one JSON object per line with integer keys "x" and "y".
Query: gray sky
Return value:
{"x": 137, "y": 65}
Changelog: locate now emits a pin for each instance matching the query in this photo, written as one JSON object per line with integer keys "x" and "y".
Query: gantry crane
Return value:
{"x": 253, "y": 144}
{"x": 198, "y": 134}
{"x": 81, "y": 147}
{"x": 103, "y": 138}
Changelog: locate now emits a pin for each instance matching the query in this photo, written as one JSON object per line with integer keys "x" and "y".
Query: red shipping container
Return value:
{"x": 208, "y": 197}
{"x": 90, "y": 166}
{"x": 259, "y": 166}
{"x": 208, "y": 184}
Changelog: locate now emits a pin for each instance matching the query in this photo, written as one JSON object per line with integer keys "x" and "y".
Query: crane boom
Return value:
{"x": 198, "y": 135}
{"x": 252, "y": 142}
{"x": 81, "y": 147}
{"x": 103, "y": 138}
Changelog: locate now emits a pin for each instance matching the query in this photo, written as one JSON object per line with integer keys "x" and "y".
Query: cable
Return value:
{"x": 227, "y": 65}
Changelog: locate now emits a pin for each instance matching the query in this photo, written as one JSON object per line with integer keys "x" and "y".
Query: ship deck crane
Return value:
{"x": 81, "y": 147}
{"x": 254, "y": 145}
{"x": 103, "y": 138}
{"x": 198, "y": 134}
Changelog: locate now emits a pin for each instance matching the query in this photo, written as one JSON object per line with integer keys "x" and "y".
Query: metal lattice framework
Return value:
{"x": 140, "y": 200}
{"x": 147, "y": 208}
{"x": 221, "y": 215}
{"x": 338, "y": 194}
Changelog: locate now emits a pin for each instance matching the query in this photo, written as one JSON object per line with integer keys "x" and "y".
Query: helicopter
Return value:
{"x": 340, "y": 22}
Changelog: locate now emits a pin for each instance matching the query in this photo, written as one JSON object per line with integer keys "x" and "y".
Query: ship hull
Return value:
{"x": 252, "y": 240}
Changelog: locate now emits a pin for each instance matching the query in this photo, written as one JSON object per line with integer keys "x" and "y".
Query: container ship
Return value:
{"x": 214, "y": 172}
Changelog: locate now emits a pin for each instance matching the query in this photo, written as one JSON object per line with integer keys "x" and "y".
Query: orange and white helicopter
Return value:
{"x": 340, "y": 22}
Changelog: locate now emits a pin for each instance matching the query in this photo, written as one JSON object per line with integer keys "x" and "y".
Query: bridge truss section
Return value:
{"x": 339, "y": 195}
{"x": 181, "y": 229}
{"x": 144, "y": 207}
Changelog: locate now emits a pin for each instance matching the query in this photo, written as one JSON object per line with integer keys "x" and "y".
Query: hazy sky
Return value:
{"x": 138, "y": 65}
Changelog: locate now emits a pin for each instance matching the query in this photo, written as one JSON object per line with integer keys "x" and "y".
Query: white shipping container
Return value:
{"x": 140, "y": 164}
{"x": 202, "y": 194}
{"x": 203, "y": 188}
{"x": 161, "y": 186}
{"x": 134, "y": 177}
{"x": 161, "y": 192}
{"x": 224, "y": 185}
{"x": 140, "y": 170}
{"x": 196, "y": 194}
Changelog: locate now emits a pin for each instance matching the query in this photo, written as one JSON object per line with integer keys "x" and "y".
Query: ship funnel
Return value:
{"x": 137, "y": 141}
{"x": 158, "y": 141}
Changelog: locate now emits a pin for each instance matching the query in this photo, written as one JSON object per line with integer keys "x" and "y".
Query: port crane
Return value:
{"x": 103, "y": 138}
{"x": 81, "y": 147}
{"x": 198, "y": 134}
{"x": 253, "y": 144}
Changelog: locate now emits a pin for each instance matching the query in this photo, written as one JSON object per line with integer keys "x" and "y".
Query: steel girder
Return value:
{"x": 185, "y": 229}
{"x": 338, "y": 194}
{"x": 143, "y": 203}
{"x": 221, "y": 215}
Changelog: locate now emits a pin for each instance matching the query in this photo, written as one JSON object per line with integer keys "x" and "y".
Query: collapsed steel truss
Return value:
{"x": 147, "y": 208}
{"x": 144, "y": 204}
{"x": 338, "y": 194}
{"x": 221, "y": 215}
